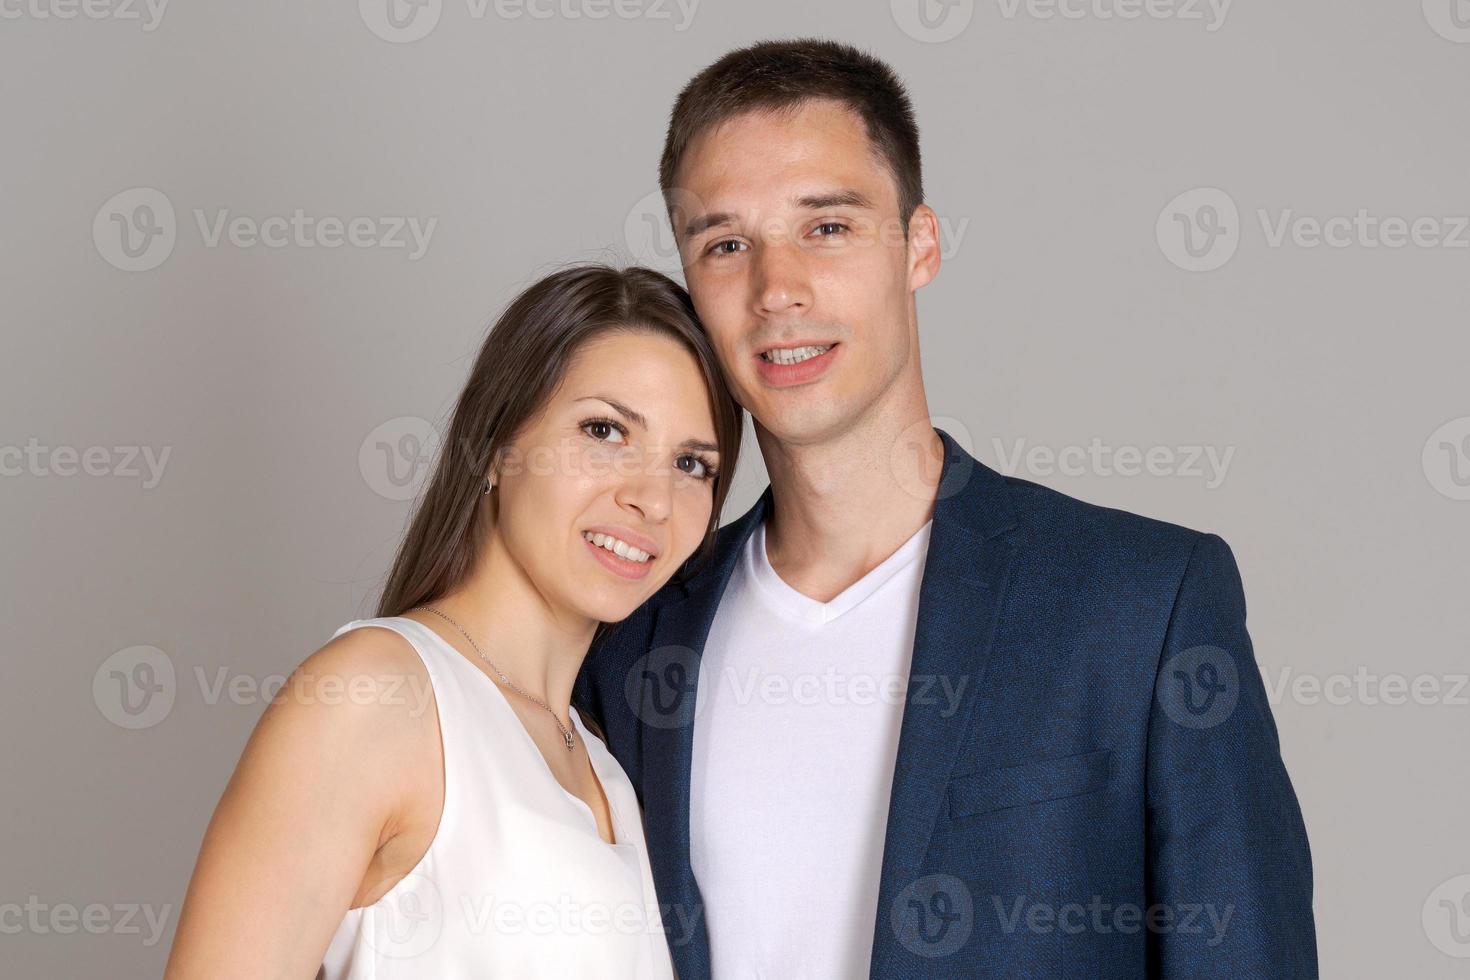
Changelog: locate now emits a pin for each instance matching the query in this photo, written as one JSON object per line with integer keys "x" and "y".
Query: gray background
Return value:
{"x": 1053, "y": 149}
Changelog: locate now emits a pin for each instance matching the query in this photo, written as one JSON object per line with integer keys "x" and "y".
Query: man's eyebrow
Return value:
{"x": 642, "y": 422}
{"x": 845, "y": 198}
{"x": 705, "y": 222}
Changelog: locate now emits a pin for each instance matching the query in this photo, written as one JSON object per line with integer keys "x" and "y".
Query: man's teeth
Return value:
{"x": 618, "y": 547}
{"x": 794, "y": 355}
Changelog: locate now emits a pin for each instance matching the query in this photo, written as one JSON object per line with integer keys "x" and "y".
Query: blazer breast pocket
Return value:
{"x": 1029, "y": 782}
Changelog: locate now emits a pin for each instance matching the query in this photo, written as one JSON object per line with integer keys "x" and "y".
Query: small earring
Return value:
{"x": 488, "y": 487}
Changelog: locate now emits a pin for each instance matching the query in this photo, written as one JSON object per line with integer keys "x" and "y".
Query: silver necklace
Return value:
{"x": 567, "y": 736}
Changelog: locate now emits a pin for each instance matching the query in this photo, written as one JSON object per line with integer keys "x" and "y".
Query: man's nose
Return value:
{"x": 782, "y": 285}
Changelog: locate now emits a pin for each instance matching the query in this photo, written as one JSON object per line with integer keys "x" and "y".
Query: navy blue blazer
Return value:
{"x": 1108, "y": 799}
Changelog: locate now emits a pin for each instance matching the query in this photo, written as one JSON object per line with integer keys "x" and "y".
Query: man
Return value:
{"x": 915, "y": 718}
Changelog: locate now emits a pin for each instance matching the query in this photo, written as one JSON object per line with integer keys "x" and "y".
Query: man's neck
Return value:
{"x": 842, "y": 506}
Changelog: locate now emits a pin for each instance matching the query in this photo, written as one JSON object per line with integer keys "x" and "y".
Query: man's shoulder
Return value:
{"x": 1065, "y": 530}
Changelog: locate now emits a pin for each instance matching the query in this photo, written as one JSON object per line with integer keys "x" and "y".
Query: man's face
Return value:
{"x": 790, "y": 236}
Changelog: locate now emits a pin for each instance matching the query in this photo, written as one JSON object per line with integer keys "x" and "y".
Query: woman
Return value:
{"x": 421, "y": 800}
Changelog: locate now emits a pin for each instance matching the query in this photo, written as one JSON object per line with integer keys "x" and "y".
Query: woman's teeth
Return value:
{"x": 794, "y": 355}
{"x": 620, "y": 548}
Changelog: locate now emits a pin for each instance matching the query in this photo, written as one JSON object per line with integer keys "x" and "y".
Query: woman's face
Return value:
{"x": 625, "y": 448}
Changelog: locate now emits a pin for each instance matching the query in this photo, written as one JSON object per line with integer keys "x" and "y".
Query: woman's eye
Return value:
{"x": 704, "y": 472}
{"x": 593, "y": 427}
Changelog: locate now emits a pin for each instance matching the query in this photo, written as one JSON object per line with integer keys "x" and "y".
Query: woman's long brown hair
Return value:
{"x": 524, "y": 358}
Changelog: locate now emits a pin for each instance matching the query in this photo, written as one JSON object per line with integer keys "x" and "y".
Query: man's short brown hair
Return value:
{"x": 775, "y": 76}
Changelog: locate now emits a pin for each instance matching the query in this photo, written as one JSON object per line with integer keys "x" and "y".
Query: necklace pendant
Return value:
{"x": 567, "y": 737}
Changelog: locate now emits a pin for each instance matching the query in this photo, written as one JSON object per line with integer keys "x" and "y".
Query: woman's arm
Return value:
{"x": 344, "y": 758}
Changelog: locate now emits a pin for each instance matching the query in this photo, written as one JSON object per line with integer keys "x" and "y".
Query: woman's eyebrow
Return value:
{"x": 638, "y": 419}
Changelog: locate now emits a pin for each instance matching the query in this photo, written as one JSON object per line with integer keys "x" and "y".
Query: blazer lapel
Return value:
{"x": 668, "y": 680}
{"x": 965, "y": 576}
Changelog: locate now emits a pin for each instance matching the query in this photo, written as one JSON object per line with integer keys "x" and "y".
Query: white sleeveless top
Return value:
{"x": 517, "y": 881}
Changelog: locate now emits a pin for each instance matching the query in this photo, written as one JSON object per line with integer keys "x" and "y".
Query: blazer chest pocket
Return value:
{"x": 1029, "y": 782}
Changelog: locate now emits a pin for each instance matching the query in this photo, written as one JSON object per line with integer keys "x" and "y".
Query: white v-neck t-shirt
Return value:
{"x": 796, "y": 726}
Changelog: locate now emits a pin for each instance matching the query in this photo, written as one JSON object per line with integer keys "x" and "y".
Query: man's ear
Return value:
{"x": 923, "y": 247}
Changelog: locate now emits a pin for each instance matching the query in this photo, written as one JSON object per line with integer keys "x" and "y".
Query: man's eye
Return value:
{"x": 728, "y": 247}
{"x": 828, "y": 228}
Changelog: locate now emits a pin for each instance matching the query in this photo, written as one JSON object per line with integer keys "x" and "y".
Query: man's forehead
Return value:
{"x": 817, "y": 156}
